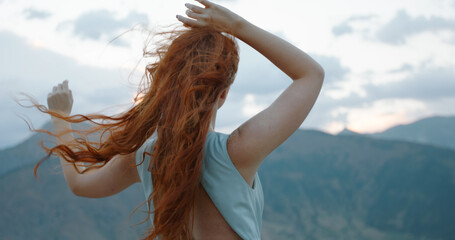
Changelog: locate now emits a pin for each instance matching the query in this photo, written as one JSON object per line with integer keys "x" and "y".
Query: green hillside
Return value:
{"x": 46, "y": 209}
{"x": 351, "y": 187}
{"x": 25, "y": 153}
{"x": 316, "y": 186}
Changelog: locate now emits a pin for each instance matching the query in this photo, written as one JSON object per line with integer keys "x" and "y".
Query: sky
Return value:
{"x": 386, "y": 62}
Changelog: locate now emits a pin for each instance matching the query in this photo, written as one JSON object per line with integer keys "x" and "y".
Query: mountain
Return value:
{"x": 354, "y": 187}
{"x": 347, "y": 132}
{"x": 438, "y": 131}
{"x": 26, "y": 152}
{"x": 316, "y": 186}
{"x": 45, "y": 208}
{"x": 29, "y": 151}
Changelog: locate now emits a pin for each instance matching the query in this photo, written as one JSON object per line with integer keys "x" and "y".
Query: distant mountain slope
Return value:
{"x": 438, "y": 131}
{"x": 316, "y": 186}
{"x": 353, "y": 187}
{"x": 347, "y": 132}
{"x": 25, "y": 153}
{"x": 29, "y": 151}
{"x": 46, "y": 209}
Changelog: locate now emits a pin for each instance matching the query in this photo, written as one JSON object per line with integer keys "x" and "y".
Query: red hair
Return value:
{"x": 177, "y": 97}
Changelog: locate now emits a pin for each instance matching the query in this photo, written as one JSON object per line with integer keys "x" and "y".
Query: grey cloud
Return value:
{"x": 321, "y": 113}
{"x": 345, "y": 26}
{"x": 402, "y": 26}
{"x": 33, "y": 70}
{"x": 96, "y": 23}
{"x": 404, "y": 68}
{"x": 361, "y": 17}
{"x": 429, "y": 84}
{"x": 334, "y": 71}
{"x": 31, "y": 13}
{"x": 257, "y": 75}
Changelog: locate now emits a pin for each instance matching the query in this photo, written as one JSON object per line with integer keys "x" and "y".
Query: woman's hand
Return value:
{"x": 60, "y": 99}
{"x": 213, "y": 16}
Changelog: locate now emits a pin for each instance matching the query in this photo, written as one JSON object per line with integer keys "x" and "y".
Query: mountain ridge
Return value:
{"x": 316, "y": 185}
{"x": 435, "y": 130}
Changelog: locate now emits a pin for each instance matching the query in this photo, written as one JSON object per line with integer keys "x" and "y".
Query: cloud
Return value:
{"x": 95, "y": 24}
{"x": 251, "y": 107}
{"x": 334, "y": 71}
{"x": 381, "y": 114}
{"x": 345, "y": 27}
{"x": 404, "y": 68}
{"x": 24, "y": 68}
{"x": 403, "y": 26}
{"x": 425, "y": 91}
{"x": 426, "y": 84}
{"x": 256, "y": 74}
{"x": 31, "y": 13}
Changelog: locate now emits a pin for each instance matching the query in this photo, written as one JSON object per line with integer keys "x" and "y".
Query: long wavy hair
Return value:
{"x": 177, "y": 97}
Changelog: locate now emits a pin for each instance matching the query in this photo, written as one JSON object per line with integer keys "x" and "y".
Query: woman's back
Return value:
{"x": 208, "y": 221}
{"x": 226, "y": 207}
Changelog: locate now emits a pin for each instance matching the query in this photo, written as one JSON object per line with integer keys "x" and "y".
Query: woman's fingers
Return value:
{"x": 194, "y": 8}
{"x": 189, "y": 22}
{"x": 196, "y": 16}
{"x": 61, "y": 87}
{"x": 65, "y": 85}
{"x": 206, "y": 3}
{"x": 213, "y": 16}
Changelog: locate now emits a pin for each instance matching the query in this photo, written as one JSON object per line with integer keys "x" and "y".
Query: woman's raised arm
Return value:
{"x": 250, "y": 144}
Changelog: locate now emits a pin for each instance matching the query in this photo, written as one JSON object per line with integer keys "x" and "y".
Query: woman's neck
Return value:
{"x": 212, "y": 121}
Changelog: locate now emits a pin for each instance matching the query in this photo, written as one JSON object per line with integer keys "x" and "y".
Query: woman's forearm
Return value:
{"x": 69, "y": 171}
{"x": 290, "y": 59}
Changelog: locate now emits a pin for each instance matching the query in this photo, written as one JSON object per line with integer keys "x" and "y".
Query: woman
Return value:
{"x": 199, "y": 184}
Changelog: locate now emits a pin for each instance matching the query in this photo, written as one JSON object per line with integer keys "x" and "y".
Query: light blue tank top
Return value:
{"x": 239, "y": 204}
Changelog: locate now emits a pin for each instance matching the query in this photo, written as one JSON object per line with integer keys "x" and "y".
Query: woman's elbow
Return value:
{"x": 319, "y": 72}
{"x": 76, "y": 190}
{"x": 316, "y": 73}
